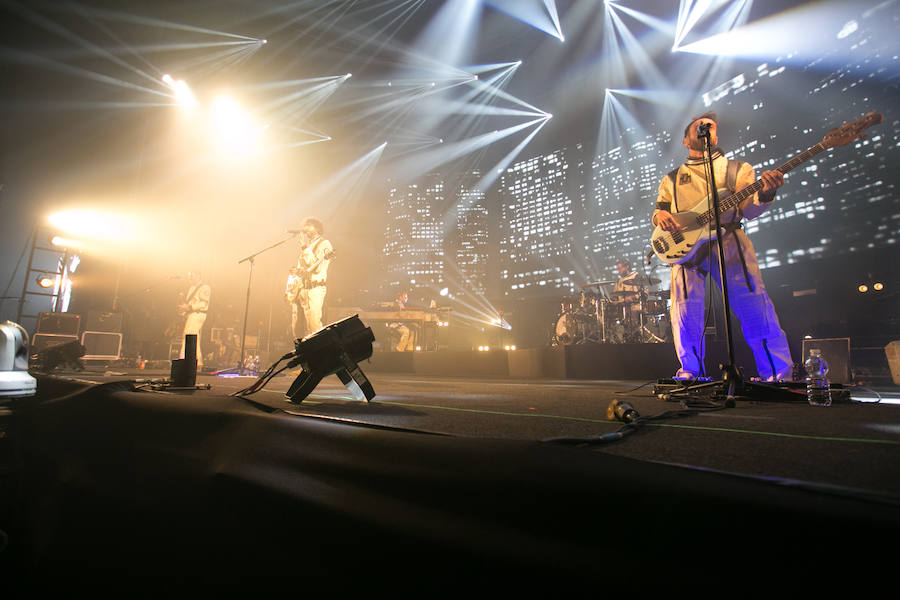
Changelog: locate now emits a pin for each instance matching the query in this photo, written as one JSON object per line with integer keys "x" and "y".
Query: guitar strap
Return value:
{"x": 731, "y": 173}
{"x": 315, "y": 250}
{"x": 191, "y": 296}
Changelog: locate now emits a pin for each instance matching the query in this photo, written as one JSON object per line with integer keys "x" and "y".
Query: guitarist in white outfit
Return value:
{"x": 313, "y": 266}
{"x": 194, "y": 308}
{"x": 681, "y": 190}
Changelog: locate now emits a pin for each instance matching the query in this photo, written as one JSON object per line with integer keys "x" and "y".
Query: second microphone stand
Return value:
{"x": 241, "y": 369}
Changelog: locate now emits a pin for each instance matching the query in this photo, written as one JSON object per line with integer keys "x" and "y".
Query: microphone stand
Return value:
{"x": 240, "y": 369}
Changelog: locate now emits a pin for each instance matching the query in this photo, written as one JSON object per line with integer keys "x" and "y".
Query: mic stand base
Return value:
{"x": 731, "y": 388}
{"x": 239, "y": 371}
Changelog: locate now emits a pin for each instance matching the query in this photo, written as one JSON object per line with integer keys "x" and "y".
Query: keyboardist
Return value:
{"x": 401, "y": 332}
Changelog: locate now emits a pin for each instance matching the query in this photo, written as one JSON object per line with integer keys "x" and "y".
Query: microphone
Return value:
{"x": 703, "y": 129}
{"x": 174, "y": 277}
{"x": 295, "y": 231}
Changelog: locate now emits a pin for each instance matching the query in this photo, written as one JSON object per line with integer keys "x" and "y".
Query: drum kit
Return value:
{"x": 602, "y": 315}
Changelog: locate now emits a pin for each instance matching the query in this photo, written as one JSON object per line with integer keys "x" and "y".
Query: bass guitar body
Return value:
{"x": 679, "y": 247}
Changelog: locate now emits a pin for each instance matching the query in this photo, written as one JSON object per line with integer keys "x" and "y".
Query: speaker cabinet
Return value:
{"x": 836, "y": 352}
{"x": 103, "y": 321}
{"x": 892, "y": 351}
{"x": 58, "y": 323}
{"x": 101, "y": 345}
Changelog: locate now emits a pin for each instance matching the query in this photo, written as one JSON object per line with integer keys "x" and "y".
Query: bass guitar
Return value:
{"x": 697, "y": 225}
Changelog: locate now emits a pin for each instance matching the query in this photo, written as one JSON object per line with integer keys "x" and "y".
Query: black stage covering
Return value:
{"x": 107, "y": 483}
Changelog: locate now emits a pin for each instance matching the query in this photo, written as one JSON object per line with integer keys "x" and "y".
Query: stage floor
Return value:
{"x": 854, "y": 444}
{"x": 449, "y": 479}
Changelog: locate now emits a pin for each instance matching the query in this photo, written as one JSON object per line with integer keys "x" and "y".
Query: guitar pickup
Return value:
{"x": 678, "y": 236}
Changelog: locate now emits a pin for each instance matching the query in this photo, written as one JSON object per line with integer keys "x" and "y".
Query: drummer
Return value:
{"x": 628, "y": 282}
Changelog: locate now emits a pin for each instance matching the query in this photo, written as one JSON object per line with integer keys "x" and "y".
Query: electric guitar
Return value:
{"x": 299, "y": 277}
{"x": 697, "y": 225}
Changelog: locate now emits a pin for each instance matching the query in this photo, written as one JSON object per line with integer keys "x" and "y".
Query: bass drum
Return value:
{"x": 573, "y": 328}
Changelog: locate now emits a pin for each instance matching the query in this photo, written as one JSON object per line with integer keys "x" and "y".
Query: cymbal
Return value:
{"x": 642, "y": 280}
{"x": 622, "y": 294}
{"x": 597, "y": 283}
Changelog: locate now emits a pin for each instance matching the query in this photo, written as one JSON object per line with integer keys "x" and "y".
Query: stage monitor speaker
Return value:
{"x": 49, "y": 351}
{"x": 43, "y": 341}
{"x": 58, "y": 323}
{"x": 103, "y": 321}
{"x": 101, "y": 345}
{"x": 836, "y": 352}
{"x": 893, "y": 357}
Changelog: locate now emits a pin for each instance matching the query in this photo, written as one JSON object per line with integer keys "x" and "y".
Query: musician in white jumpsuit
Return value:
{"x": 314, "y": 259}
{"x": 750, "y": 303}
{"x": 195, "y": 306}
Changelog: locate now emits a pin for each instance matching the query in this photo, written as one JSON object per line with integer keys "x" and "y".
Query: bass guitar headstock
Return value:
{"x": 848, "y": 132}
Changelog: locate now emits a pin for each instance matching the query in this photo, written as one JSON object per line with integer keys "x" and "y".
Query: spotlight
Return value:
{"x": 183, "y": 93}
{"x": 62, "y": 242}
{"x": 334, "y": 349}
{"x": 878, "y": 286}
{"x": 863, "y": 288}
{"x": 418, "y": 348}
{"x": 444, "y": 291}
{"x": 45, "y": 281}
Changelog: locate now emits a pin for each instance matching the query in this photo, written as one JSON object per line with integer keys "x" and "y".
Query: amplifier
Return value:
{"x": 103, "y": 321}
{"x": 58, "y": 323}
{"x": 836, "y": 352}
{"x": 101, "y": 345}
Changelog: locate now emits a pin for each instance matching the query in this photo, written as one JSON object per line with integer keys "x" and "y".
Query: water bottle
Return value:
{"x": 818, "y": 390}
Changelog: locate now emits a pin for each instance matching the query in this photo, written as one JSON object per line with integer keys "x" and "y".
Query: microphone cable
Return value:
{"x": 623, "y": 411}
{"x": 264, "y": 379}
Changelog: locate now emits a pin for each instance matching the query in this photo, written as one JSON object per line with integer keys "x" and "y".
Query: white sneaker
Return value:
{"x": 682, "y": 374}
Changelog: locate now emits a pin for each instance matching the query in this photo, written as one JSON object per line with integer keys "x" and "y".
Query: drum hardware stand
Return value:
{"x": 732, "y": 382}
